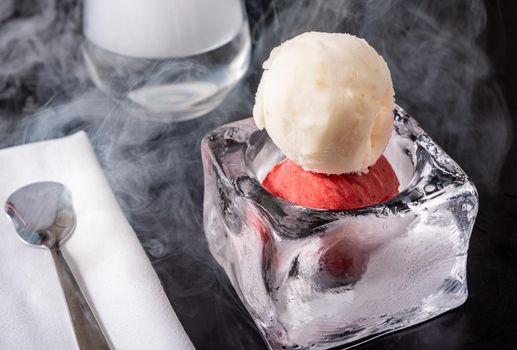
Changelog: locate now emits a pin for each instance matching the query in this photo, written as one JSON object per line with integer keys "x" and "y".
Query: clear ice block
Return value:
{"x": 314, "y": 278}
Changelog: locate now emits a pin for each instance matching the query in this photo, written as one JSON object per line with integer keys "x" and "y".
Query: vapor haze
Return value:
{"x": 441, "y": 76}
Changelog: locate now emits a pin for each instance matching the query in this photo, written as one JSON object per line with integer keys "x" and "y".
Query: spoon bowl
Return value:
{"x": 42, "y": 213}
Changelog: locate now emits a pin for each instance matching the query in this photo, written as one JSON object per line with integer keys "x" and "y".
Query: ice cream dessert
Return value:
{"x": 326, "y": 100}
{"x": 289, "y": 181}
{"x": 312, "y": 277}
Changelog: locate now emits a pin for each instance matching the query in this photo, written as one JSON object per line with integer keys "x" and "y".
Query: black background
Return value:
{"x": 488, "y": 320}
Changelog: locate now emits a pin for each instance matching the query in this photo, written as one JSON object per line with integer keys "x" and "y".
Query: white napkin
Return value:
{"x": 104, "y": 253}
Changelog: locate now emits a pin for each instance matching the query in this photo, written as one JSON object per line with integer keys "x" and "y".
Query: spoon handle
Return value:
{"x": 88, "y": 333}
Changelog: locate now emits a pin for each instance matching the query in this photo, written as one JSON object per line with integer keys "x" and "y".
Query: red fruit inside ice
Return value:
{"x": 289, "y": 181}
{"x": 344, "y": 261}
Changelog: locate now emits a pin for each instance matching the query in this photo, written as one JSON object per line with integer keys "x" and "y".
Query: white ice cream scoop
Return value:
{"x": 326, "y": 100}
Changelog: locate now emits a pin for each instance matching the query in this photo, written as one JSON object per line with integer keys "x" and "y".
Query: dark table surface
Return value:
{"x": 453, "y": 65}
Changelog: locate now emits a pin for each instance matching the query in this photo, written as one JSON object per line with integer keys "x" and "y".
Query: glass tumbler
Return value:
{"x": 174, "y": 57}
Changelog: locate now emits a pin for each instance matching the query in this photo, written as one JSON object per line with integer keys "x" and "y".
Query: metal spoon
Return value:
{"x": 43, "y": 216}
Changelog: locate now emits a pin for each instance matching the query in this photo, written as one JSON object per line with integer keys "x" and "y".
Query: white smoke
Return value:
{"x": 441, "y": 76}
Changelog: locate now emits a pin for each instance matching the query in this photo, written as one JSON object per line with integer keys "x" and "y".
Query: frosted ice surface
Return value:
{"x": 315, "y": 279}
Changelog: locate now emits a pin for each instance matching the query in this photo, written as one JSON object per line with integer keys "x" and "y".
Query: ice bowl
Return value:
{"x": 315, "y": 279}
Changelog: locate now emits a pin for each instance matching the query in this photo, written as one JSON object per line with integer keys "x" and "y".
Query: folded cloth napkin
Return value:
{"x": 104, "y": 254}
